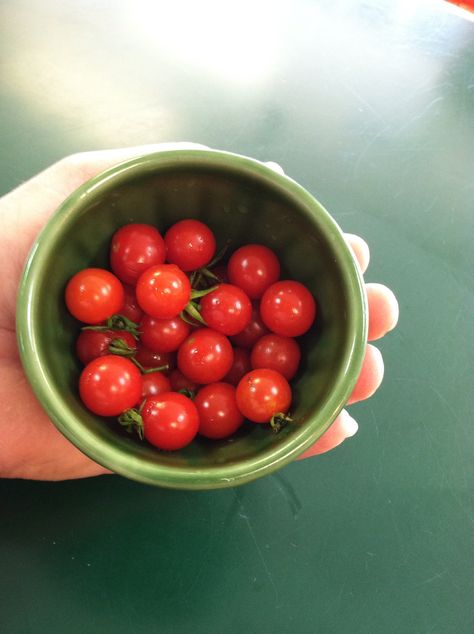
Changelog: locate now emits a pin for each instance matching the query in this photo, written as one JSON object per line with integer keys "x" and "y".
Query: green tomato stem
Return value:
{"x": 117, "y": 322}
{"x": 132, "y": 421}
{"x": 161, "y": 368}
{"x": 279, "y": 420}
{"x": 119, "y": 346}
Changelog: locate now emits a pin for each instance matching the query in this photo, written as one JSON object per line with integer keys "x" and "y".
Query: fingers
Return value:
{"x": 370, "y": 376}
{"x": 383, "y": 310}
{"x": 32, "y": 447}
{"x": 343, "y": 427}
{"x": 360, "y": 249}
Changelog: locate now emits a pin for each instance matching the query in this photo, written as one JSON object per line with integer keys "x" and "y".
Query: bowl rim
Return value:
{"x": 112, "y": 457}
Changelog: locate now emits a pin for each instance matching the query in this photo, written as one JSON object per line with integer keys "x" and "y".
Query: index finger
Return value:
{"x": 360, "y": 249}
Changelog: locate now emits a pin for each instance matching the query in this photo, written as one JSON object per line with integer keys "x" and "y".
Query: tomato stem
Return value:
{"x": 132, "y": 421}
{"x": 218, "y": 257}
{"x": 279, "y": 420}
{"x": 120, "y": 347}
{"x": 192, "y": 309}
{"x": 187, "y": 392}
{"x": 161, "y": 368}
{"x": 195, "y": 294}
{"x": 209, "y": 274}
{"x": 117, "y": 322}
{"x": 204, "y": 275}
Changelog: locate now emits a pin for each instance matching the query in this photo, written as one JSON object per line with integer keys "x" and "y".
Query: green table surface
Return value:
{"x": 370, "y": 105}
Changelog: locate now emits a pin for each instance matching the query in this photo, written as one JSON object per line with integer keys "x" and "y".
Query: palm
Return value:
{"x": 30, "y": 446}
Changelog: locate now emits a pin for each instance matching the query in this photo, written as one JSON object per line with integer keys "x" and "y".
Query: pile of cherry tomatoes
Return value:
{"x": 177, "y": 343}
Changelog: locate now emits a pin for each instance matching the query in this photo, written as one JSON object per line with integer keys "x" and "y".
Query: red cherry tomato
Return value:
{"x": 206, "y": 356}
{"x": 93, "y": 295}
{"x": 154, "y": 383}
{"x": 149, "y": 359}
{"x": 263, "y": 393}
{"x": 135, "y": 247}
{"x": 219, "y": 415}
{"x": 109, "y": 385}
{"x": 253, "y": 268}
{"x": 240, "y": 366}
{"x": 170, "y": 421}
{"x": 92, "y": 343}
{"x": 190, "y": 244}
{"x": 288, "y": 308}
{"x": 276, "y": 352}
{"x": 252, "y": 332}
{"x": 163, "y": 291}
{"x": 130, "y": 309}
{"x": 180, "y": 382}
{"x": 163, "y": 335}
{"x": 227, "y": 309}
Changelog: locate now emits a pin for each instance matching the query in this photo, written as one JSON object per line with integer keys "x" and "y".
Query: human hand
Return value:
{"x": 30, "y": 446}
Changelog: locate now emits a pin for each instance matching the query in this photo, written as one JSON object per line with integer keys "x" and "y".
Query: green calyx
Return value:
{"x": 132, "y": 421}
{"x": 117, "y": 322}
{"x": 279, "y": 420}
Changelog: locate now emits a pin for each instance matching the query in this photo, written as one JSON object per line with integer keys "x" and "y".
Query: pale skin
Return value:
{"x": 30, "y": 445}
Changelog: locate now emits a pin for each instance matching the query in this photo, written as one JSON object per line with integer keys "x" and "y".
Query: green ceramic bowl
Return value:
{"x": 243, "y": 201}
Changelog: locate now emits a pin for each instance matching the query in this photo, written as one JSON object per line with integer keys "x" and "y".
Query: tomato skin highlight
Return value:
{"x": 288, "y": 308}
{"x": 110, "y": 385}
{"x": 219, "y": 415}
{"x": 206, "y": 356}
{"x": 170, "y": 421}
{"x": 163, "y": 291}
{"x": 263, "y": 393}
{"x": 226, "y": 309}
{"x": 190, "y": 244}
{"x": 93, "y": 295}
{"x": 253, "y": 268}
{"x": 278, "y": 353}
{"x": 135, "y": 247}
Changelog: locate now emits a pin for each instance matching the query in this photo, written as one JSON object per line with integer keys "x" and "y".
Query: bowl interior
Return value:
{"x": 242, "y": 201}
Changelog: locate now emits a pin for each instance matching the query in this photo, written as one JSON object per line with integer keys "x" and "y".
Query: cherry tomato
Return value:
{"x": 163, "y": 335}
{"x": 219, "y": 415}
{"x": 252, "y": 332}
{"x": 135, "y": 247}
{"x": 276, "y": 352}
{"x": 130, "y": 309}
{"x": 227, "y": 309}
{"x": 149, "y": 359}
{"x": 109, "y": 385}
{"x": 190, "y": 244}
{"x": 180, "y": 382}
{"x": 288, "y": 308}
{"x": 93, "y": 295}
{"x": 263, "y": 393}
{"x": 154, "y": 383}
{"x": 206, "y": 356}
{"x": 240, "y": 366}
{"x": 253, "y": 268}
{"x": 163, "y": 291}
{"x": 170, "y": 421}
{"x": 92, "y": 343}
